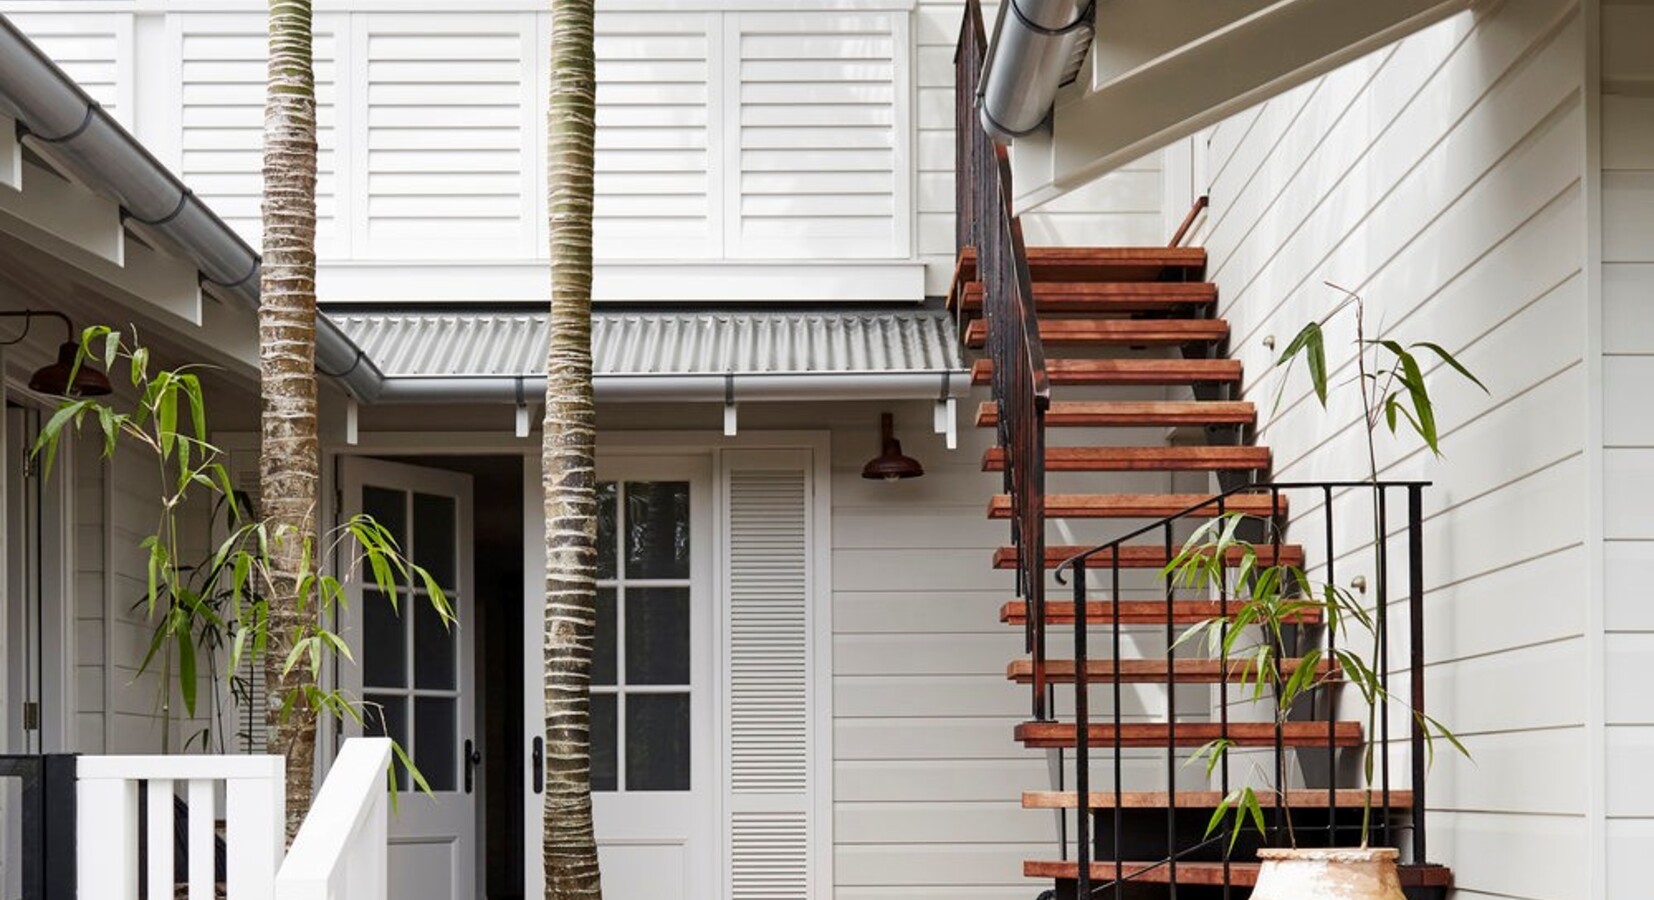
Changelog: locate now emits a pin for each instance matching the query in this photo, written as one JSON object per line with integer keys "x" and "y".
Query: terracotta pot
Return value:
{"x": 1337, "y": 874}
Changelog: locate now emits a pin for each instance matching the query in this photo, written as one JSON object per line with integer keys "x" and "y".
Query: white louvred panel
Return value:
{"x": 768, "y": 632}
{"x": 221, "y": 70}
{"x": 448, "y": 144}
{"x": 822, "y": 119}
{"x": 93, "y": 48}
{"x": 657, "y": 144}
{"x": 769, "y": 856}
{"x": 772, "y": 678}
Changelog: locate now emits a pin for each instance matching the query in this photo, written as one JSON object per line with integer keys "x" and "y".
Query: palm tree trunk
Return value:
{"x": 567, "y": 460}
{"x": 290, "y": 462}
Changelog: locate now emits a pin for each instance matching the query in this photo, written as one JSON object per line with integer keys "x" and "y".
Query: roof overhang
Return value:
{"x": 1161, "y": 70}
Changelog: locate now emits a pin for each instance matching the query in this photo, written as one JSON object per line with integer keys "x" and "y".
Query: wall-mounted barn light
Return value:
{"x": 890, "y": 464}
{"x": 89, "y": 381}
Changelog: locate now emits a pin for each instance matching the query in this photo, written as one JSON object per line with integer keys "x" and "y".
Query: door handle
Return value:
{"x": 473, "y": 758}
{"x": 539, "y": 764}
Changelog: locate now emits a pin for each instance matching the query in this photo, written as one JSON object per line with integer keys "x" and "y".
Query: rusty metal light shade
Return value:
{"x": 54, "y": 379}
{"x": 890, "y": 464}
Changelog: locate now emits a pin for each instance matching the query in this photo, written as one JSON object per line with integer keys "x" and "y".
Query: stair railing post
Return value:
{"x": 1415, "y": 610}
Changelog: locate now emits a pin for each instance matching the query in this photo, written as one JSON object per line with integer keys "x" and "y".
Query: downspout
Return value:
{"x": 1033, "y": 46}
{"x": 59, "y": 120}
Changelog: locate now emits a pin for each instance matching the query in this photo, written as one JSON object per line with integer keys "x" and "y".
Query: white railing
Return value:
{"x": 340, "y": 853}
{"x": 107, "y": 815}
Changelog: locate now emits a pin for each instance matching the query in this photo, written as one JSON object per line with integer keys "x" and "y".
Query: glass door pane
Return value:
{"x": 641, "y": 697}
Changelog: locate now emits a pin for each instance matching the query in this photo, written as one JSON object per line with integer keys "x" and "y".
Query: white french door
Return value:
{"x": 415, "y": 673}
{"x": 653, "y": 693}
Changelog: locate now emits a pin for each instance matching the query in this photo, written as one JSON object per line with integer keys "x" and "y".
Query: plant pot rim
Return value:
{"x": 1332, "y": 854}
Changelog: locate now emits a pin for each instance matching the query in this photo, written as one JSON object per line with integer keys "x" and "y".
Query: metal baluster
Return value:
{"x": 1171, "y": 717}
{"x": 1383, "y": 661}
{"x": 1277, "y": 813}
{"x": 1082, "y": 750}
{"x": 1119, "y": 774}
{"x": 1415, "y": 624}
{"x": 1332, "y": 687}
{"x": 1223, "y": 698}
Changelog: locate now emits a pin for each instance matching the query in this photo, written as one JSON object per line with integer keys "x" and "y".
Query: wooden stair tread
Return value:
{"x": 1099, "y": 263}
{"x": 1346, "y": 798}
{"x": 1133, "y": 506}
{"x": 1142, "y": 557}
{"x": 1047, "y": 735}
{"x": 1143, "y": 459}
{"x": 1147, "y": 671}
{"x": 1210, "y": 874}
{"x": 1133, "y": 413}
{"x": 1131, "y": 612}
{"x": 1115, "y": 332}
{"x": 1069, "y": 298}
{"x": 1127, "y": 371}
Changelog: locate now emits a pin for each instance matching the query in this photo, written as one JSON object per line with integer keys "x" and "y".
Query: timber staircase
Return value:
{"x": 1120, "y": 353}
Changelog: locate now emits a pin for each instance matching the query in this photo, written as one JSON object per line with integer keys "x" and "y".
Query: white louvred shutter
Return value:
{"x": 773, "y": 677}
{"x": 657, "y": 164}
{"x": 819, "y": 127}
{"x": 221, "y": 85}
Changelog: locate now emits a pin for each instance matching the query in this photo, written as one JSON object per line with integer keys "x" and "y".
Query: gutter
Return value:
{"x": 710, "y": 388}
{"x": 59, "y": 120}
{"x": 1033, "y": 52}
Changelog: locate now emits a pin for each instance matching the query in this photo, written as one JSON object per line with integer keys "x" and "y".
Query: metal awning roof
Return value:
{"x": 495, "y": 344}
{"x": 459, "y": 356}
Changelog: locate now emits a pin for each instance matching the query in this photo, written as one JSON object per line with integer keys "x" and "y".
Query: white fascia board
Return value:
{"x": 67, "y": 211}
{"x": 722, "y": 282}
{"x": 11, "y": 155}
{"x": 1198, "y": 84}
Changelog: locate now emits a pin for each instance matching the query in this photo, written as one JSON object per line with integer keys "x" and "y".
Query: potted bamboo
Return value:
{"x": 1272, "y": 599}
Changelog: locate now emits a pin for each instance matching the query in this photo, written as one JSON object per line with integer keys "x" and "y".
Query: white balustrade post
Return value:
{"x": 106, "y": 811}
{"x": 203, "y": 853}
{"x": 158, "y": 827}
{"x": 254, "y": 808}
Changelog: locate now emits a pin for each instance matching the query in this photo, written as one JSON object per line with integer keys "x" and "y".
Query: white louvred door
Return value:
{"x": 774, "y": 680}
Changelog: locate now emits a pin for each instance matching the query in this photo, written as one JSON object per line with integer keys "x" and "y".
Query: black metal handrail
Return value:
{"x": 1219, "y": 505}
{"x": 988, "y": 230}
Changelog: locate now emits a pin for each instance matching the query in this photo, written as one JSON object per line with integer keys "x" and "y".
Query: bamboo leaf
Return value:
{"x": 1448, "y": 358}
{"x": 1311, "y": 342}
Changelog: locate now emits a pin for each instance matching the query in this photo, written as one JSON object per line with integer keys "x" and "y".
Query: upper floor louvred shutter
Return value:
{"x": 818, "y": 137}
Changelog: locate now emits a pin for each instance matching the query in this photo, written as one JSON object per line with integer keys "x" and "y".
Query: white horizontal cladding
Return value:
{"x": 522, "y": 280}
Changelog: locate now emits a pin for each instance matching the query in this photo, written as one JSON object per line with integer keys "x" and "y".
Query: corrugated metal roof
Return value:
{"x": 405, "y": 344}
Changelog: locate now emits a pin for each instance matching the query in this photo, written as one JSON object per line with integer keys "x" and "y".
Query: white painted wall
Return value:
{"x": 1627, "y": 244}
{"x": 1443, "y": 179}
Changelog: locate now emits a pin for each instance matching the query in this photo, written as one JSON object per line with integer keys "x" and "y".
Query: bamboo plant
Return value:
{"x": 194, "y": 607}
{"x": 1394, "y": 389}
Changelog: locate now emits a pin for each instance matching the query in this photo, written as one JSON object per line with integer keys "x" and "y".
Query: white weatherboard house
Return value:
{"x": 801, "y": 686}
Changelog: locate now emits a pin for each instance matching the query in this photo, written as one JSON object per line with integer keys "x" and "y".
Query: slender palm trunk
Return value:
{"x": 567, "y": 461}
{"x": 290, "y": 461}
